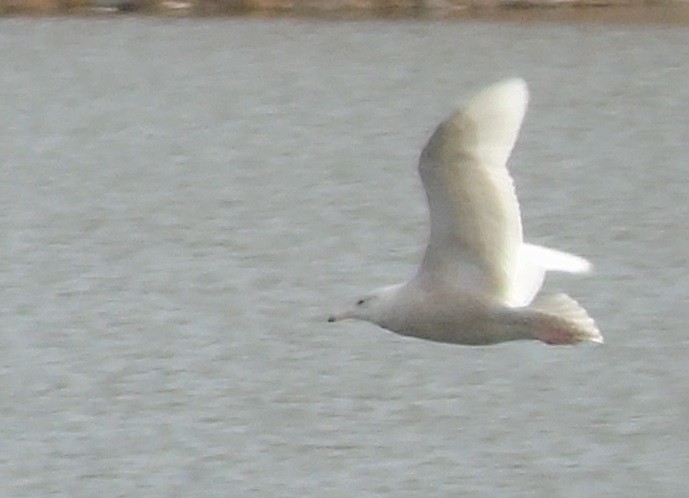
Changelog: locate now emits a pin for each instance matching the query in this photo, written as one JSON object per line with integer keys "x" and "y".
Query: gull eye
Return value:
{"x": 360, "y": 302}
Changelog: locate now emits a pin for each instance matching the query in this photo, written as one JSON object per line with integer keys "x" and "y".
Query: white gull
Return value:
{"x": 478, "y": 279}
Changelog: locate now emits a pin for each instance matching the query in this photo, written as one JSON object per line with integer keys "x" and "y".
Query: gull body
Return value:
{"x": 478, "y": 280}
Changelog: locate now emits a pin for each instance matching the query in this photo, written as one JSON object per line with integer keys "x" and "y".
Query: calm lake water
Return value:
{"x": 185, "y": 201}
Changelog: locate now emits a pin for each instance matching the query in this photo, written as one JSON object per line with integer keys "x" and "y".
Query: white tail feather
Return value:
{"x": 564, "y": 307}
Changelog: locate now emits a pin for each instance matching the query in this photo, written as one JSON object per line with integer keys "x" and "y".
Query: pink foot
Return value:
{"x": 557, "y": 335}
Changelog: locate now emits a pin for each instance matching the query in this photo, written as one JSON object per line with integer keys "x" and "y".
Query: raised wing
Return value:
{"x": 476, "y": 228}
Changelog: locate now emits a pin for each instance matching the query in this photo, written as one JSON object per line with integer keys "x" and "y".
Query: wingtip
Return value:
{"x": 509, "y": 97}
{"x": 556, "y": 260}
{"x": 514, "y": 87}
{"x": 516, "y": 81}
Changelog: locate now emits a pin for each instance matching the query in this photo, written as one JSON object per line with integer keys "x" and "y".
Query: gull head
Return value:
{"x": 371, "y": 308}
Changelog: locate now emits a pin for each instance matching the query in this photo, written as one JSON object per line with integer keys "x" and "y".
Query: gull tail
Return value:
{"x": 564, "y": 321}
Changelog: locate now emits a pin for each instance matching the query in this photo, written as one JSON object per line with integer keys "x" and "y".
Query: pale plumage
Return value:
{"x": 477, "y": 279}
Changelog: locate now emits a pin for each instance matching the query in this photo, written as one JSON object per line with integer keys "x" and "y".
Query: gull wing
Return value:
{"x": 476, "y": 230}
{"x": 534, "y": 262}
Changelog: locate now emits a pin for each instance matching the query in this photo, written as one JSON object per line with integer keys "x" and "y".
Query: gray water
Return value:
{"x": 185, "y": 201}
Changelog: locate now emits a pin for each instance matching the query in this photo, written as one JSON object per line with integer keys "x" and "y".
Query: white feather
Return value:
{"x": 534, "y": 261}
{"x": 476, "y": 227}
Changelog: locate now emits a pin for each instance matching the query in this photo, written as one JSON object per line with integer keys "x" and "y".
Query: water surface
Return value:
{"x": 185, "y": 201}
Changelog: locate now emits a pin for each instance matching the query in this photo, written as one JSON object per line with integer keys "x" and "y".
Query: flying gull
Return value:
{"x": 478, "y": 280}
